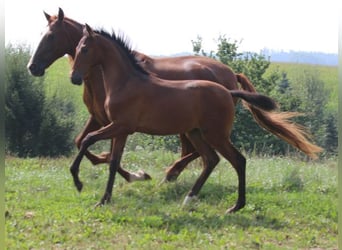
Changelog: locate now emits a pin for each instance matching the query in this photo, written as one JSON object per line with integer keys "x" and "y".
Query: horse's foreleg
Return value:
{"x": 90, "y": 126}
{"x": 108, "y": 132}
{"x": 74, "y": 169}
{"x": 104, "y": 157}
{"x": 117, "y": 151}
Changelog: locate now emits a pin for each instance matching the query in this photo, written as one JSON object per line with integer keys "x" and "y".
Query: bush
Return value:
{"x": 34, "y": 124}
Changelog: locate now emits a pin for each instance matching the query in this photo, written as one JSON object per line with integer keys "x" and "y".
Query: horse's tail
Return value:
{"x": 255, "y": 99}
{"x": 279, "y": 124}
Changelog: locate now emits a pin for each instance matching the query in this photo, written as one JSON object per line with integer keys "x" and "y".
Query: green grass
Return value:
{"x": 290, "y": 205}
{"x": 57, "y": 82}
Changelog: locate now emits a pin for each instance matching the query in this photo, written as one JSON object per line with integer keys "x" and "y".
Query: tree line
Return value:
{"x": 38, "y": 125}
{"x": 309, "y": 98}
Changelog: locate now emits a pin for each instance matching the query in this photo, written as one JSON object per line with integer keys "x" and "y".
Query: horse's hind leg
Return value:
{"x": 228, "y": 151}
{"x": 188, "y": 154}
{"x": 210, "y": 160}
{"x": 178, "y": 166}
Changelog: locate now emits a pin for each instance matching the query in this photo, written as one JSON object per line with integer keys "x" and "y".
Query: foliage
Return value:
{"x": 35, "y": 125}
{"x": 309, "y": 96}
{"x": 331, "y": 134}
{"x": 44, "y": 210}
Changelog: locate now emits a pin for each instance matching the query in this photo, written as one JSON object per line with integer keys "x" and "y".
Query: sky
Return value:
{"x": 166, "y": 27}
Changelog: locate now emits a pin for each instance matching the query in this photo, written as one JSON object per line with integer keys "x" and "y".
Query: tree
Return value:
{"x": 331, "y": 135}
{"x": 34, "y": 125}
{"x": 285, "y": 94}
{"x": 248, "y": 135}
{"x": 227, "y": 53}
{"x": 314, "y": 98}
{"x": 197, "y": 48}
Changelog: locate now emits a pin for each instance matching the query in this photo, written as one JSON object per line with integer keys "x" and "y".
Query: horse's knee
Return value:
{"x": 78, "y": 141}
{"x": 87, "y": 141}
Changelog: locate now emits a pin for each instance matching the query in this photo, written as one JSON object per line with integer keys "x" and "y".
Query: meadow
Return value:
{"x": 291, "y": 204}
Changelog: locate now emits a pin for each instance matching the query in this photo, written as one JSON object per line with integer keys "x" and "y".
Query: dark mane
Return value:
{"x": 123, "y": 43}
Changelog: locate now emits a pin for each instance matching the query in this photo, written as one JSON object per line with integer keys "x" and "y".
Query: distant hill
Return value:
{"x": 317, "y": 58}
{"x": 302, "y": 57}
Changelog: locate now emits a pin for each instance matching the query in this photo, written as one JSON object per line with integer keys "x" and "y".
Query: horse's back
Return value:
{"x": 191, "y": 68}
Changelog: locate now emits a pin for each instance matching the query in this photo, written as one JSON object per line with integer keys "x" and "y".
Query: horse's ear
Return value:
{"x": 60, "y": 14}
{"x": 47, "y": 16}
{"x": 88, "y": 31}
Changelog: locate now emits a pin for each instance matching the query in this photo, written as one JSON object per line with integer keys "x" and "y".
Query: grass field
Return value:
{"x": 291, "y": 204}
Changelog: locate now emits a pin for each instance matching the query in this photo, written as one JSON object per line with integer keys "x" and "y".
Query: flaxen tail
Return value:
{"x": 279, "y": 124}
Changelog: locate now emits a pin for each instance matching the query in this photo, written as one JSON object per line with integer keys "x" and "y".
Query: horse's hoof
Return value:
{"x": 98, "y": 204}
{"x": 139, "y": 176}
{"x": 147, "y": 177}
{"x": 79, "y": 186}
{"x": 234, "y": 209}
{"x": 105, "y": 156}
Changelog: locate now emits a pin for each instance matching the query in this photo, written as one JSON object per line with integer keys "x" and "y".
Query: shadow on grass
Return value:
{"x": 161, "y": 208}
{"x": 197, "y": 220}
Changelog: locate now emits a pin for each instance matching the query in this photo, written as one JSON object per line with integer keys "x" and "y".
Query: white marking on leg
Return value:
{"x": 138, "y": 176}
{"x": 188, "y": 199}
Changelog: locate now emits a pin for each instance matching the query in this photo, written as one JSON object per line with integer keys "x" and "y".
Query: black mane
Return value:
{"x": 123, "y": 43}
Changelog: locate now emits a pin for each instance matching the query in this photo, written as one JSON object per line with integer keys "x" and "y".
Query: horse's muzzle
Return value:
{"x": 76, "y": 78}
{"x": 36, "y": 69}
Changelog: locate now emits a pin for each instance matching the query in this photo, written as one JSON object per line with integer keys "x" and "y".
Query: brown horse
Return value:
{"x": 62, "y": 38}
{"x": 137, "y": 101}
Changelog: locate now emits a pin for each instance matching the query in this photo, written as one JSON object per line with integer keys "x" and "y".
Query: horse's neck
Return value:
{"x": 74, "y": 35}
{"x": 116, "y": 68}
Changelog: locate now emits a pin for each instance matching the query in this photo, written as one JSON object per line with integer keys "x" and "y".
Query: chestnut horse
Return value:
{"x": 137, "y": 101}
{"x": 62, "y": 38}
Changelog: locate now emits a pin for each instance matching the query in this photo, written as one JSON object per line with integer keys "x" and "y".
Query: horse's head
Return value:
{"x": 58, "y": 40}
{"x": 85, "y": 55}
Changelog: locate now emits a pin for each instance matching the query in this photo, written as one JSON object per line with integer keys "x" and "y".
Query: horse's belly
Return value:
{"x": 167, "y": 122}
